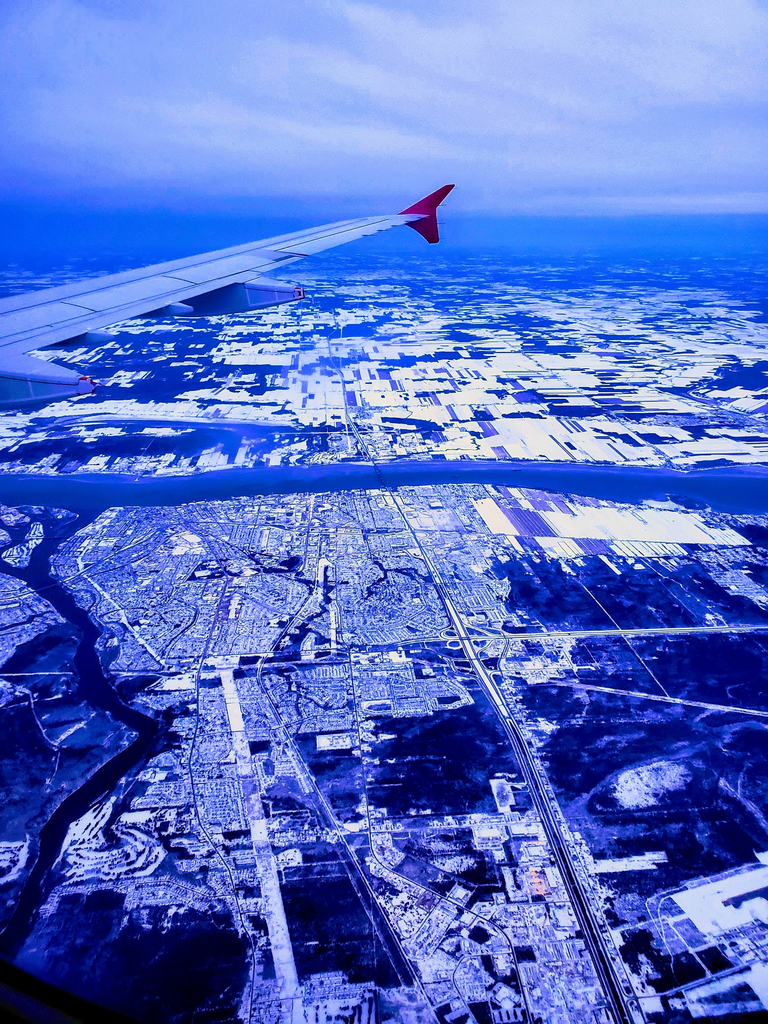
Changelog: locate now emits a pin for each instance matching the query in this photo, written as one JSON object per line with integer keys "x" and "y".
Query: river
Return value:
{"x": 94, "y": 687}
{"x": 736, "y": 489}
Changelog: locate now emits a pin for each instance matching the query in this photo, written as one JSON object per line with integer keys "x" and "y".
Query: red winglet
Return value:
{"x": 427, "y": 207}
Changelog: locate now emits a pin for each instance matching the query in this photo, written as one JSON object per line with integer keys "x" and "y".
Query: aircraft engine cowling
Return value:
{"x": 240, "y": 298}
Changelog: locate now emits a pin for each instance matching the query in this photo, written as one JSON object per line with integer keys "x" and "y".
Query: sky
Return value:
{"x": 530, "y": 106}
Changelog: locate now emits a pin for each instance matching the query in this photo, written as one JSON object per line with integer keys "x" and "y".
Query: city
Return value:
{"x": 414, "y": 756}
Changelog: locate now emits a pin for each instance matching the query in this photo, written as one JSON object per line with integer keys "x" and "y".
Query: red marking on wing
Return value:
{"x": 427, "y": 207}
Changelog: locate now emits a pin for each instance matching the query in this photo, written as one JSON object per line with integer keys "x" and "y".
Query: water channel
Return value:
{"x": 738, "y": 489}
{"x": 94, "y": 687}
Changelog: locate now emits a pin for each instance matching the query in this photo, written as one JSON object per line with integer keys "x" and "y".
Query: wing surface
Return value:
{"x": 226, "y": 280}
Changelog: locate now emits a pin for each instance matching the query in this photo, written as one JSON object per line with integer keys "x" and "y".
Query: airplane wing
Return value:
{"x": 225, "y": 281}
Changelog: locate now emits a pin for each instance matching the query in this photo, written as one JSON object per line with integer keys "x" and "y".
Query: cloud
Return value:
{"x": 552, "y": 105}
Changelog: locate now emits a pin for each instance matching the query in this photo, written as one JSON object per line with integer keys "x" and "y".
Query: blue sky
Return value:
{"x": 531, "y": 106}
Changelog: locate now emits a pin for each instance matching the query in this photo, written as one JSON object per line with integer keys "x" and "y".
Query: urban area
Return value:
{"x": 426, "y": 749}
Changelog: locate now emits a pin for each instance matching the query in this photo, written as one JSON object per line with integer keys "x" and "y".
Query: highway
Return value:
{"x": 624, "y": 1005}
{"x": 665, "y": 699}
